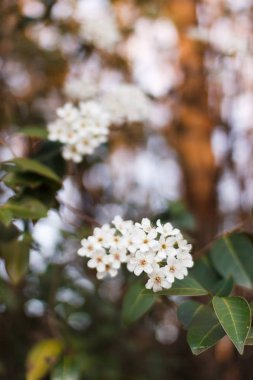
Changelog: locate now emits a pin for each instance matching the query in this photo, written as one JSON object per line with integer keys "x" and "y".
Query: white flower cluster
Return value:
{"x": 81, "y": 129}
{"x": 159, "y": 251}
{"x": 126, "y": 103}
{"x": 80, "y": 88}
{"x": 99, "y": 27}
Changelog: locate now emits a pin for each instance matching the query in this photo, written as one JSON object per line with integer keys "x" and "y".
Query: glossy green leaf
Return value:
{"x": 26, "y": 208}
{"x": 205, "y": 273}
{"x": 187, "y": 311}
{"x": 235, "y": 317}
{"x": 136, "y": 304}
{"x": 18, "y": 180}
{"x": 8, "y": 296}
{"x": 16, "y": 258}
{"x": 42, "y": 358}
{"x": 186, "y": 287}
{"x": 223, "y": 288}
{"x": 5, "y": 216}
{"x": 33, "y": 166}
{"x": 249, "y": 340}
{"x": 233, "y": 256}
{"x": 38, "y": 132}
{"x": 204, "y": 331}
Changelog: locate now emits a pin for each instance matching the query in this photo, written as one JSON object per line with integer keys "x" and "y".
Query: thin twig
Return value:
{"x": 227, "y": 232}
{"x": 81, "y": 215}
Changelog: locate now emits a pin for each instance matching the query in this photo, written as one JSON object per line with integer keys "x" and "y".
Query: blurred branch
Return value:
{"x": 236, "y": 228}
{"x": 87, "y": 218}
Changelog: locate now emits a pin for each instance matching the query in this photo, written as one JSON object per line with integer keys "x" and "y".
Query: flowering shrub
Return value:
{"x": 161, "y": 251}
{"x": 92, "y": 56}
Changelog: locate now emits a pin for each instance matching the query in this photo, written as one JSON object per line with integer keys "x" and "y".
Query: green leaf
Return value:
{"x": 186, "y": 287}
{"x": 5, "y": 216}
{"x": 135, "y": 303}
{"x": 205, "y": 273}
{"x": 249, "y": 340}
{"x": 204, "y": 331}
{"x": 38, "y": 132}
{"x": 25, "y": 208}
{"x": 233, "y": 256}
{"x": 16, "y": 258}
{"x": 67, "y": 369}
{"x": 33, "y": 166}
{"x": 42, "y": 358}
{"x": 223, "y": 288}
{"x": 235, "y": 317}
{"x": 187, "y": 311}
{"x": 17, "y": 180}
{"x": 8, "y": 233}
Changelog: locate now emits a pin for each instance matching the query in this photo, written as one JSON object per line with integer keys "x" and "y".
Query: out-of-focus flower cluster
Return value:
{"x": 126, "y": 103}
{"x": 82, "y": 129}
{"x": 160, "y": 251}
{"x": 98, "y": 25}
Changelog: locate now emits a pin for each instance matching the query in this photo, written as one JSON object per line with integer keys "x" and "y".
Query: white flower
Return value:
{"x": 69, "y": 152}
{"x": 175, "y": 269}
{"x": 166, "y": 229}
{"x": 68, "y": 112}
{"x": 118, "y": 242}
{"x": 162, "y": 252}
{"x": 118, "y": 256}
{"x": 99, "y": 28}
{"x": 145, "y": 225}
{"x": 183, "y": 245}
{"x": 98, "y": 260}
{"x": 88, "y": 247}
{"x": 104, "y": 235}
{"x": 145, "y": 241}
{"x": 126, "y": 103}
{"x": 80, "y": 88}
{"x": 166, "y": 247}
{"x": 81, "y": 129}
{"x": 56, "y": 130}
{"x": 157, "y": 280}
{"x": 129, "y": 239}
{"x": 141, "y": 263}
{"x": 122, "y": 225}
{"x": 185, "y": 259}
{"x": 108, "y": 271}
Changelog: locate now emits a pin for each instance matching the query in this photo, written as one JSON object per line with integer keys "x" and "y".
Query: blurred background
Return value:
{"x": 189, "y": 163}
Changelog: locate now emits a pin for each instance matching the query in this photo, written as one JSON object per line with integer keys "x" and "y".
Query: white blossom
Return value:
{"x": 118, "y": 256}
{"x": 141, "y": 262}
{"x": 160, "y": 252}
{"x": 175, "y": 269}
{"x": 145, "y": 241}
{"x": 81, "y": 129}
{"x": 98, "y": 260}
{"x": 99, "y": 27}
{"x": 77, "y": 88}
{"x": 166, "y": 229}
{"x": 158, "y": 280}
{"x": 109, "y": 271}
{"x": 126, "y": 103}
